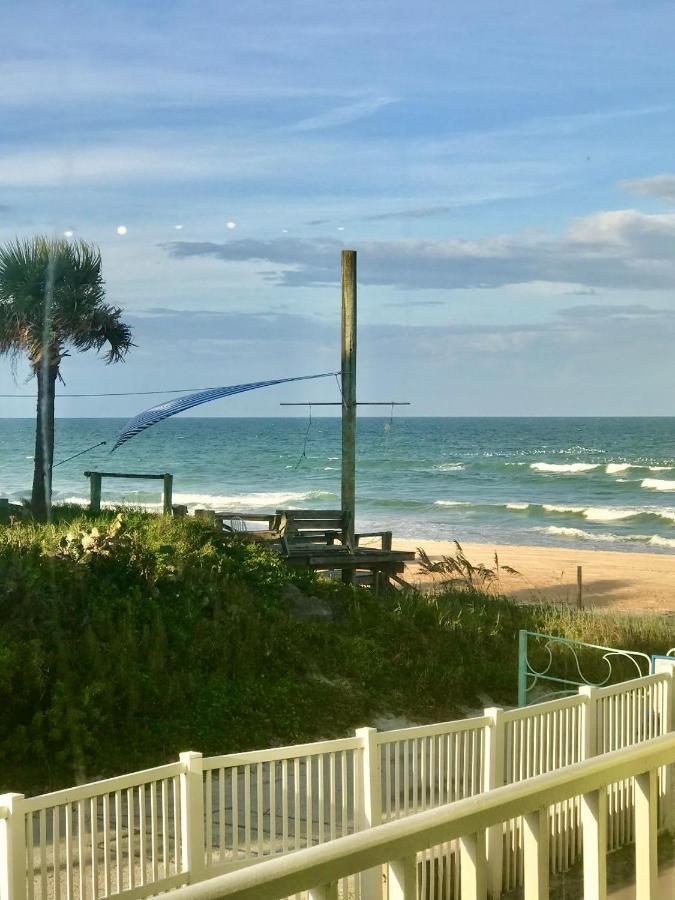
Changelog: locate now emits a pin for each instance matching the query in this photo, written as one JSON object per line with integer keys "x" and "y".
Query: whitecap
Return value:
{"x": 609, "y": 514}
{"x": 552, "y": 507}
{"x": 560, "y": 531}
{"x": 658, "y": 484}
{"x": 657, "y": 541}
{"x": 452, "y": 503}
{"x": 564, "y": 468}
{"x": 518, "y": 506}
{"x": 449, "y": 467}
{"x": 615, "y": 468}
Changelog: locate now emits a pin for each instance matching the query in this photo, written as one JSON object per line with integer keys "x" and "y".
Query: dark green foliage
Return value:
{"x": 127, "y": 638}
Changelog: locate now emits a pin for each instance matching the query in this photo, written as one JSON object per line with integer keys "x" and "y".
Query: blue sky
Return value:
{"x": 504, "y": 170}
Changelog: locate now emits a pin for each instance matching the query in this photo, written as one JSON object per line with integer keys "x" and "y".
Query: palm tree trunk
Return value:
{"x": 41, "y": 500}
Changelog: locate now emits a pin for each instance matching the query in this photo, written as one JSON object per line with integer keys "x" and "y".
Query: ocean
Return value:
{"x": 604, "y": 482}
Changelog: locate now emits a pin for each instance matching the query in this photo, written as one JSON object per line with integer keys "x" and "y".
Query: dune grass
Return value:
{"x": 126, "y": 638}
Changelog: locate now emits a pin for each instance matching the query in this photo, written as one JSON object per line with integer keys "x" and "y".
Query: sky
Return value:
{"x": 505, "y": 172}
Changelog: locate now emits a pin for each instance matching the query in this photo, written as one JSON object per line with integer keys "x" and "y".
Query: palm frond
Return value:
{"x": 52, "y": 296}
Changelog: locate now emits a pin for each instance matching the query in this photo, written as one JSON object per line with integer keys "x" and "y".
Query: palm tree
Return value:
{"x": 52, "y": 299}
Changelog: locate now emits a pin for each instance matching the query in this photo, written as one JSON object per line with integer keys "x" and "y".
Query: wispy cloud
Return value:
{"x": 618, "y": 249}
{"x": 422, "y": 212}
{"x": 630, "y": 311}
{"x": 343, "y": 115}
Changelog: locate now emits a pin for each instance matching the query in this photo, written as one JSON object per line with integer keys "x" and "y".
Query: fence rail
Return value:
{"x": 397, "y": 845}
{"x": 199, "y": 818}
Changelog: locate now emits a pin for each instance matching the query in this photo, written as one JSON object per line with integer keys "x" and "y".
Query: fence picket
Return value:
{"x": 294, "y": 797}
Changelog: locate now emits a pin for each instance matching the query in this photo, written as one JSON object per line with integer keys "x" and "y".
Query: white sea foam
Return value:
{"x": 554, "y": 508}
{"x": 452, "y": 503}
{"x": 580, "y": 534}
{"x": 560, "y": 531}
{"x": 518, "y": 506}
{"x": 258, "y": 500}
{"x": 449, "y": 467}
{"x": 620, "y": 468}
{"x": 657, "y": 541}
{"x": 654, "y": 540}
{"x": 113, "y": 504}
{"x": 608, "y": 514}
{"x": 564, "y": 468}
{"x": 255, "y": 500}
{"x": 658, "y": 484}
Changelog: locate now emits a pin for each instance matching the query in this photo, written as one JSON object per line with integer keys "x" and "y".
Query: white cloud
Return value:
{"x": 618, "y": 249}
{"x": 660, "y": 186}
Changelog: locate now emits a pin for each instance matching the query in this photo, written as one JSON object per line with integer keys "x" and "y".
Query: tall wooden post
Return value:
{"x": 349, "y": 388}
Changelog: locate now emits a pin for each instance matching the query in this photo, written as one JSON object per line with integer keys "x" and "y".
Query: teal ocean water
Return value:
{"x": 606, "y": 483}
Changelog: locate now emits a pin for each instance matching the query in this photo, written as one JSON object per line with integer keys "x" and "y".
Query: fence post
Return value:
{"x": 168, "y": 494}
{"x": 192, "y": 816}
{"x": 494, "y": 778}
{"x": 589, "y": 725}
{"x": 667, "y": 666}
{"x": 12, "y": 847}
{"x": 370, "y": 805}
{"x": 522, "y": 667}
{"x": 94, "y": 491}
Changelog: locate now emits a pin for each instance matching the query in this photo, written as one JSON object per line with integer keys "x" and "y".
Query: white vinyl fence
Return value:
{"x": 145, "y": 833}
{"x": 394, "y": 848}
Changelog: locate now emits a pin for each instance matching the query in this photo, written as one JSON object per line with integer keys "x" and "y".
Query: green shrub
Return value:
{"x": 127, "y": 638}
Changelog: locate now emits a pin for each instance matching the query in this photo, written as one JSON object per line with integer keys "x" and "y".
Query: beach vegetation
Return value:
{"x": 454, "y": 570}
{"x": 52, "y": 301}
{"x": 127, "y": 637}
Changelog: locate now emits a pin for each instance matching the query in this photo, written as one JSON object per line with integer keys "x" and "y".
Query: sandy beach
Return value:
{"x": 634, "y": 582}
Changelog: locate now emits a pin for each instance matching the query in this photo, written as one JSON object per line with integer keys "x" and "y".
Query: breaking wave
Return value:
{"x": 588, "y": 513}
{"x": 658, "y": 484}
{"x": 256, "y": 500}
{"x": 653, "y": 540}
{"x": 564, "y": 468}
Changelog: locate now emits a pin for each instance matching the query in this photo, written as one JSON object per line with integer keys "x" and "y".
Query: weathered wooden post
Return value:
{"x": 168, "y": 494}
{"x": 94, "y": 491}
{"x": 4, "y": 510}
{"x": 580, "y": 588}
{"x": 349, "y": 389}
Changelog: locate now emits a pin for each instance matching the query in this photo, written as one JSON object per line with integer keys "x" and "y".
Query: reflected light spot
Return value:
{"x": 231, "y": 225}
{"x": 121, "y": 229}
{"x": 178, "y": 227}
{"x": 341, "y": 227}
{"x": 68, "y": 233}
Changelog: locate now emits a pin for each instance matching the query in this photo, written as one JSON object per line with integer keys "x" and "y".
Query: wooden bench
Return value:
{"x": 320, "y": 539}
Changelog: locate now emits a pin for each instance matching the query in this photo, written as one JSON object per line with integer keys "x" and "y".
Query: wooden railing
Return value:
{"x": 96, "y": 479}
{"x": 395, "y": 846}
{"x": 147, "y": 832}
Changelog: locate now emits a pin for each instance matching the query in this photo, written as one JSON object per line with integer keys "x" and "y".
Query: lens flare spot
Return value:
{"x": 121, "y": 230}
{"x": 231, "y": 226}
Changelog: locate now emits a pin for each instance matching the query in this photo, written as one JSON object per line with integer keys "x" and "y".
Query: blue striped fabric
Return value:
{"x": 164, "y": 410}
